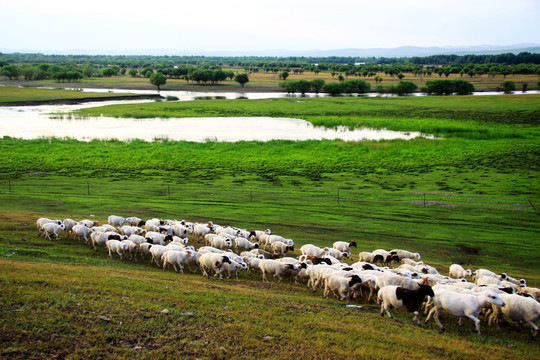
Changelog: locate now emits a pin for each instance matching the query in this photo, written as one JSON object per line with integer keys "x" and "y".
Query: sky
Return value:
{"x": 252, "y": 25}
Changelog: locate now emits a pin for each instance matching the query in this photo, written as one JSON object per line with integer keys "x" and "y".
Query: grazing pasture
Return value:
{"x": 471, "y": 197}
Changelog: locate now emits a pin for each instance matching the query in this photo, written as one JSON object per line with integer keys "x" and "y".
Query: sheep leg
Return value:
{"x": 534, "y": 328}
{"x": 476, "y": 323}
{"x": 416, "y": 317}
{"x": 437, "y": 320}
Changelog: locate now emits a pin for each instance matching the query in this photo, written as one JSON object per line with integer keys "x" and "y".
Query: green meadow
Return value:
{"x": 471, "y": 196}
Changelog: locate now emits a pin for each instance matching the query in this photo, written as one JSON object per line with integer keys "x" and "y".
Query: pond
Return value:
{"x": 31, "y": 122}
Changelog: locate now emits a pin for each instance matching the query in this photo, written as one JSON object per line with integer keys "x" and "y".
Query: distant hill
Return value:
{"x": 403, "y": 51}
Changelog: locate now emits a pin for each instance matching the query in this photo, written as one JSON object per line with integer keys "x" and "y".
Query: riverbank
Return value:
{"x": 17, "y": 96}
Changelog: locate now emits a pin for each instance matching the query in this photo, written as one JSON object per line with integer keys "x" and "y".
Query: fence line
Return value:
{"x": 137, "y": 190}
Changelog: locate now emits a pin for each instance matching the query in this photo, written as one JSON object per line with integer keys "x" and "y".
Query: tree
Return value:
{"x": 317, "y": 85}
{"x": 405, "y": 87}
{"x": 158, "y": 79}
{"x": 463, "y": 87}
{"x": 132, "y": 72}
{"x": 284, "y": 75}
{"x": 334, "y": 88}
{"x": 377, "y": 79}
{"x": 242, "y": 79}
{"x": 400, "y": 76}
{"x": 508, "y": 86}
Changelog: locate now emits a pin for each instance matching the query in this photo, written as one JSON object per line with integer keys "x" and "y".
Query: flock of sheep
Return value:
{"x": 394, "y": 279}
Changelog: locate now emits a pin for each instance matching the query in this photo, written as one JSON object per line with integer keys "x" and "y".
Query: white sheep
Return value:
{"x": 69, "y": 224}
{"x": 338, "y": 254}
{"x": 532, "y": 291}
{"x": 404, "y": 254}
{"x": 341, "y": 286}
{"x": 518, "y": 308}
{"x": 82, "y": 231}
{"x": 212, "y": 261}
{"x": 101, "y": 238}
{"x": 115, "y": 246}
{"x": 199, "y": 230}
{"x": 278, "y": 269}
{"x": 144, "y": 248}
{"x": 241, "y": 243}
{"x": 310, "y": 249}
{"x": 42, "y": 221}
{"x": 221, "y": 242}
{"x": 273, "y": 238}
{"x": 457, "y": 271}
{"x": 280, "y": 248}
{"x": 157, "y": 252}
{"x": 132, "y": 249}
{"x": 176, "y": 258}
{"x": 520, "y": 282}
{"x": 233, "y": 267}
{"x": 387, "y": 278}
{"x": 135, "y": 221}
{"x": 116, "y": 221}
{"x": 52, "y": 228}
{"x": 129, "y": 230}
{"x": 157, "y": 238}
{"x": 344, "y": 247}
{"x": 462, "y": 304}
{"x": 89, "y": 223}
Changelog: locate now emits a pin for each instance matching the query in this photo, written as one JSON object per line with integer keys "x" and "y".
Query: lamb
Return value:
{"x": 462, "y": 304}
{"x": 280, "y": 248}
{"x": 365, "y": 256}
{"x": 309, "y": 249}
{"x": 458, "y": 272}
{"x": 257, "y": 234}
{"x": 518, "y": 308}
{"x": 115, "y": 246}
{"x": 399, "y": 298}
{"x": 213, "y": 261}
{"x": 341, "y": 286}
{"x": 116, "y": 221}
{"x": 244, "y": 244}
{"x": 176, "y": 258}
{"x": 344, "y": 247}
{"x": 82, "y": 231}
{"x": 52, "y": 228}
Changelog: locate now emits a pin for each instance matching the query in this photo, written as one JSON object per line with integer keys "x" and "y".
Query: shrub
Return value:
{"x": 508, "y": 86}
{"x": 172, "y": 98}
{"x": 405, "y": 87}
{"x": 333, "y": 88}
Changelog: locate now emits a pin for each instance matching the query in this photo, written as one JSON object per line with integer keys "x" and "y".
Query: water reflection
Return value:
{"x": 31, "y": 125}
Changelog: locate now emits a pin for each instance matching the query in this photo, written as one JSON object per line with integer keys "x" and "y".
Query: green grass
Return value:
{"x": 14, "y": 95}
{"x": 471, "y": 197}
